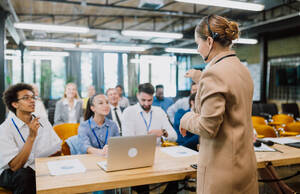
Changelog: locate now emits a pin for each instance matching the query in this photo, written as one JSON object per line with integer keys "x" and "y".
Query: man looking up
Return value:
{"x": 160, "y": 100}
{"x": 23, "y": 137}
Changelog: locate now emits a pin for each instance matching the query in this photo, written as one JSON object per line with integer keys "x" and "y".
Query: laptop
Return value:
{"x": 129, "y": 152}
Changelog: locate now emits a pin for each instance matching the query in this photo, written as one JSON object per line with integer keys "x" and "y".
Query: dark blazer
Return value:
{"x": 109, "y": 116}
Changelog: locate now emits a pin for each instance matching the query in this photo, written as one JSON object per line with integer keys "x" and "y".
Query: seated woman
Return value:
{"x": 190, "y": 140}
{"x": 69, "y": 108}
{"x": 94, "y": 132}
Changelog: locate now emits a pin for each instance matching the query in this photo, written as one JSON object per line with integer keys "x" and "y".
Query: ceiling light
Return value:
{"x": 152, "y": 34}
{"x": 227, "y": 4}
{"x": 181, "y": 50}
{"x": 245, "y": 41}
{"x": 49, "y": 53}
{"x": 49, "y": 44}
{"x": 51, "y": 28}
{"x": 162, "y": 40}
{"x": 90, "y": 46}
{"x": 124, "y": 48}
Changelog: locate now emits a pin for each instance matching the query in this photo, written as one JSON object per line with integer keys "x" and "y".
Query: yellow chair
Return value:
{"x": 4, "y": 191}
{"x": 285, "y": 125}
{"x": 66, "y": 130}
{"x": 262, "y": 129}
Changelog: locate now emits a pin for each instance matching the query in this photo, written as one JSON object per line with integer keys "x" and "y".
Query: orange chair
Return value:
{"x": 4, "y": 191}
{"x": 262, "y": 129}
{"x": 66, "y": 130}
{"x": 285, "y": 125}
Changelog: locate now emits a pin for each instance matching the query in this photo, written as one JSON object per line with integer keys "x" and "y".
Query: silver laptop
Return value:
{"x": 128, "y": 152}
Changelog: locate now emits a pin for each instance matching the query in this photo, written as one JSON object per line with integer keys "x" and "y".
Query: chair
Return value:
{"x": 66, "y": 130}
{"x": 4, "y": 191}
{"x": 262, "y": 129}
{"x": 285, "y": 125}
{"x": 268, "y": 110}
{"x": 291, "y": 108}
{"x": 256, "y": 109}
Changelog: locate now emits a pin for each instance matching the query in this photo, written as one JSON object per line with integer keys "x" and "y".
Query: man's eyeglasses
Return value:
{"x": 26, "y": 98}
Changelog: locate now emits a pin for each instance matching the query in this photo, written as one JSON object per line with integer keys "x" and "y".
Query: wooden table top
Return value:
{"x": 165, "y": 168}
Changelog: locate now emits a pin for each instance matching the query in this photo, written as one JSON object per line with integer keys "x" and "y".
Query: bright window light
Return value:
{"x": 227, "y": 4}
{"x": 245, "y": 41}
{"x": 52, "y": 28}
{"x": 124, "y": 48}
{"x": 152, "y": 34}
{"x": 181, "y": 50}
{"x": 90, "y": 46}
{"x": 49, "y": 44}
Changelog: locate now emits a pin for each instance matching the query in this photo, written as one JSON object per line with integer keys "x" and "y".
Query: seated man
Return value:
{"x": 160, "y": 99}
{"x": 143, "y": 118}
{"x": 23, "y": 137}
{"x": 190, "y": 140}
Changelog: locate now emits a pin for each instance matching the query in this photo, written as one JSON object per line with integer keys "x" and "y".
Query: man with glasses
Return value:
{"x": 23, "y": 137}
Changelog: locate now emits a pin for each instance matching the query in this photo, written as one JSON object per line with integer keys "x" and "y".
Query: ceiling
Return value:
{"x": 106, "y": 19}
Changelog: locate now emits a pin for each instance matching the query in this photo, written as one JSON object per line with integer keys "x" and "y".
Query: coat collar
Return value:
{"x": 219, "y": 56}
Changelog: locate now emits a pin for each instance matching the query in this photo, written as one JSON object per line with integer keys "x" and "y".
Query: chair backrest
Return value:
{"x": 283, "y": 118}
{"x": 291, "y": 108}
{"x": 293, "y": 127}
{"x": 66, "y": 130}
{"x": 270, "y": 108}
{"x": 265, "y": 130}
{"x": 256, "y": 120}
{"x": 256, "y": 109}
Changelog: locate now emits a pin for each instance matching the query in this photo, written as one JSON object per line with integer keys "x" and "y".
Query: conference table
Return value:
{"x": 166, "y": 168}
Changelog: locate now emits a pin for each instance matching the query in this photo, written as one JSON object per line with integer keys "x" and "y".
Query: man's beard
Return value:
{"x": 146, "y": 109}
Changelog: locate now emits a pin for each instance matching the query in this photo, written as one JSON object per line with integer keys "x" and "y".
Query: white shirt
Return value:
{"x": 124, "y": 102}
{"x": 46, "y": 143}
{"x": 72, "y": 111}
{"x": 182, "y": 103}
{"x": 134, "y": 123}
{"x": 113, "y": 115}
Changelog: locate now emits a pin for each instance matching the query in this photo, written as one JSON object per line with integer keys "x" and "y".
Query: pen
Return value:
{"x": 39, "y": 121}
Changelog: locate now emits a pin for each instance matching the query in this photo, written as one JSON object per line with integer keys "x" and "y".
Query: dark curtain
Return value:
{"x": 73, "y": 69}
{"x": 98, "y": 71}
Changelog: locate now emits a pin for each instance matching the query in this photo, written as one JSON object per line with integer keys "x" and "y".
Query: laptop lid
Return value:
{"x": 128, "y": 152}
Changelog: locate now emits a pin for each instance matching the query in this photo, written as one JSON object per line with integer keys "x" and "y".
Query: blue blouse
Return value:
{"x": 92, "y": 135}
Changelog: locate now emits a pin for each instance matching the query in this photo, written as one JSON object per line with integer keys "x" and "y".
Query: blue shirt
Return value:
{"x": 164, "y": 104}
{"x": 87, "y": 137}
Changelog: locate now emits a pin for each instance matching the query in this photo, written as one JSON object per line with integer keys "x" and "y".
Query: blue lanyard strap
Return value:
{"x": 98, "y": 140}
{"x": 18, "y": 129}
{"x": 148, "y": 126}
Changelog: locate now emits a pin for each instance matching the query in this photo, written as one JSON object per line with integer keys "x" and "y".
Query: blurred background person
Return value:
{"x": 69, "y": 108}
{"x": 115, "y": 113}
{"x": 182, "y": 103}
{"x": 91, "y": 91}
{"x": 123, "y": 102}
{"x": 160, "y": 100}
{"x": 40, "y": 110}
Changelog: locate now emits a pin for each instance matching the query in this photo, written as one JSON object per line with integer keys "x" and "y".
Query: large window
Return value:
{"x": 159, "y": 70}
{"x": 86, "y": 72}
{"x": 111, "y": 70}
{"x": 183, "y": 65}
{"x": 125, "y": 74}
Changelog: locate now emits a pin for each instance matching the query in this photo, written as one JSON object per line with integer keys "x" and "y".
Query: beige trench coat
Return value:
{"x": 222, "y": 118}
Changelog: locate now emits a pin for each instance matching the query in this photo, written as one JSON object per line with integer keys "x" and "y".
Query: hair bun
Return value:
{"x": 232, "y": 31}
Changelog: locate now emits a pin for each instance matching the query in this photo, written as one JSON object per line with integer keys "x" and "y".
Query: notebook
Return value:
{"x": 129, "y": 152}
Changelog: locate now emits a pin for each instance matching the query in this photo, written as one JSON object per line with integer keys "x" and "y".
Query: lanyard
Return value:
{"x": 148, "y": 126}
{"x": 17, "y": 129}
{"x": 98, "y": 140}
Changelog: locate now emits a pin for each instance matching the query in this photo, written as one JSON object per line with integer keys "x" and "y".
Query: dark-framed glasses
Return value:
{"x": 26, "y": 98}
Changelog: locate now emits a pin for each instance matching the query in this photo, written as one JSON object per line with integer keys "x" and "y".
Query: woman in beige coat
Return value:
{"x": 222, "y": 113}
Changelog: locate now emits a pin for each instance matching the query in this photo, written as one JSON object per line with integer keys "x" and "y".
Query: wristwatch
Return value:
{"x": 165, "y": 133}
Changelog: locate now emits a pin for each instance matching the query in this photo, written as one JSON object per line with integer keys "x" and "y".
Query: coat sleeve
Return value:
{"x": 210, "y": 107}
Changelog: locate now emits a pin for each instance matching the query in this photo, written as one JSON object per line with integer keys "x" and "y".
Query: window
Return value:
{"x": 125, "y": 73}
{"x": 183, "y": 67}
{"x": 111, "y": 70}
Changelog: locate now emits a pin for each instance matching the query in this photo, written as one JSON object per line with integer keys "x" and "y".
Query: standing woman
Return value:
{"x": 69, "y": 108}
{"x": 94, "y": 132}
{"x": 222, "y": 113}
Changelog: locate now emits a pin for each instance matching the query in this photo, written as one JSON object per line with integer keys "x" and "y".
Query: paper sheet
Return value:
{"x": 62, "y": 167}
{"x": 264, "y": 148}
{"x": 283, "y": 140}
{"x": 179, "y": 151}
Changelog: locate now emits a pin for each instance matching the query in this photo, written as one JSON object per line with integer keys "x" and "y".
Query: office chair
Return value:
{"x": 4, "y": 191}
{"x": 291, "y": 108}
{"x": 66, "y": 130}
{"x": 285, "y": 125}
{"x": 262, "y": 129}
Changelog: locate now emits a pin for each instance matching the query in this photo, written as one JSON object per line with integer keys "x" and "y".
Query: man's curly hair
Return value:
{"x": 11, "y": 94}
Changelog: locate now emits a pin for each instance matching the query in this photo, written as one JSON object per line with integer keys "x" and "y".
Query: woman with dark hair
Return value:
{"x": 222, "y": 113}
{"x": 94, "y": 132}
